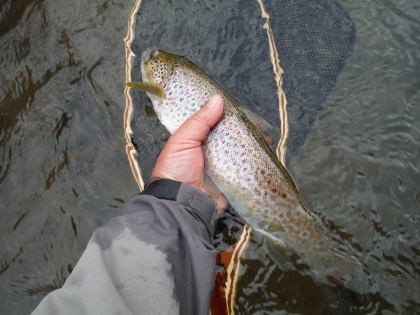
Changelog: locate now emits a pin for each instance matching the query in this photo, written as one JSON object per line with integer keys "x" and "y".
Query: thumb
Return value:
{"x": 196, "y": 128}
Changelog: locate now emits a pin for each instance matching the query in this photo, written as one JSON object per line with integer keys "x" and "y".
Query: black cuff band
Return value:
{"x": 163, "y": 189}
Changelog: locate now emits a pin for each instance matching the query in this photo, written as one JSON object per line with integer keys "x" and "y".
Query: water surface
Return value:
{"x": 63, "y": 169}
{"x": 360, "y": 164}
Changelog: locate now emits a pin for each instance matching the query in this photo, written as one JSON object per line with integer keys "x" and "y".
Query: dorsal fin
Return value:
{"x": 270, "y": 133}
{"x": 149, "y": 87}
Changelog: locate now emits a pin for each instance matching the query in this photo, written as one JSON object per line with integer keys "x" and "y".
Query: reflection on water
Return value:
{"x": 63, "y": 169}
{"x": 360, "y": 162}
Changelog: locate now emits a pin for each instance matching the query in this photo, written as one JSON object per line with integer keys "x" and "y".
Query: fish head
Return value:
{"x": 157, "y": 66}
{"x": 176, "y": 87}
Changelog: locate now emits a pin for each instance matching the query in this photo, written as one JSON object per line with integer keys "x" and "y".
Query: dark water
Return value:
{"x": 63, "y": 170}
{"x": 360, "y": 163}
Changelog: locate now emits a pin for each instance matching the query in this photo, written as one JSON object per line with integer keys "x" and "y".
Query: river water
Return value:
{"x": 64, "y": 171}
{"x": 360, "y": 163}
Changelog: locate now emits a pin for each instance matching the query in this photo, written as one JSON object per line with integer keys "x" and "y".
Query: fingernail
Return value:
{"x": 213, "y": 101}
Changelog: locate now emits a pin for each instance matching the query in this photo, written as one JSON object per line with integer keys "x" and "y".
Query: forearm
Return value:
{"x": 156, "y": 258}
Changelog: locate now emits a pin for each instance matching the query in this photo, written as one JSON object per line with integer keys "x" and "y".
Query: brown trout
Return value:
{"x": 241, "y": 164}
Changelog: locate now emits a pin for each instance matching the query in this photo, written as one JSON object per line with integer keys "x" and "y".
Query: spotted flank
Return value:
{"x": 241, "y": 164}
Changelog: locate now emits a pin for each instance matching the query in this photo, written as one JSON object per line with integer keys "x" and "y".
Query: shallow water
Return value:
{"x": 63, "y": 169}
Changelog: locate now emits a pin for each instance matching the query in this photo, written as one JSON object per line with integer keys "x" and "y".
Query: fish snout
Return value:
{"x": 149, "y": 53}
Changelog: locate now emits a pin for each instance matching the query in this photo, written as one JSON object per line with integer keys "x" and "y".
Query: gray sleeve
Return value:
{"x": 157, "y": 258}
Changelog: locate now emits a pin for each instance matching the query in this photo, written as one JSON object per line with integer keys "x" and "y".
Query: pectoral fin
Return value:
{"x": 149, "y": 87}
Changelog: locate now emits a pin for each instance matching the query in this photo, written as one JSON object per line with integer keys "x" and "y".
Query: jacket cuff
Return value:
{"x": 191, "y": 197}
{"x": 163, "y": 189}
{"x": 202, "y": 203}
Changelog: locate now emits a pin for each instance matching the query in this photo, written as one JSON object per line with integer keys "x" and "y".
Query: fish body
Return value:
{"x": 240, "y": 162}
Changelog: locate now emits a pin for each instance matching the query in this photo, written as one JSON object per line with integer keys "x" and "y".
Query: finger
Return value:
{"x": 197, "y": 127}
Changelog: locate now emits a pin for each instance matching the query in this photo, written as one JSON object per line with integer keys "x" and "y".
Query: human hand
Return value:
{"x": 182, "y": 157}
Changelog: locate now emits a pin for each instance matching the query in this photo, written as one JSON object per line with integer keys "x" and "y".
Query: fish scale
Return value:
{"x": 242, "y": 165}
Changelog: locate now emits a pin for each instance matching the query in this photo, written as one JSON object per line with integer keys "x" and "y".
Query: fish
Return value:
{"x": 240, "y": 163}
